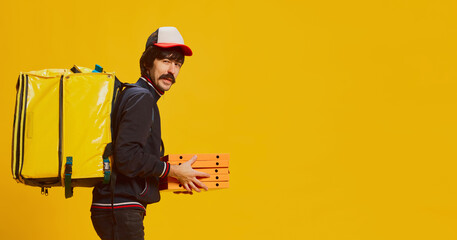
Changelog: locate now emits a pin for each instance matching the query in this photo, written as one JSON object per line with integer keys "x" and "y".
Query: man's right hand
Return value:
{"x": 187, "y": 176}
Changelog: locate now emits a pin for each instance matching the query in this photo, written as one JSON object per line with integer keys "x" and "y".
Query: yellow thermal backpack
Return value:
{"x": 62, "y": 127}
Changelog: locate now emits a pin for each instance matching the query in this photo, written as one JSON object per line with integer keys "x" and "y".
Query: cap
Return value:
{"x": 167, "y": 37}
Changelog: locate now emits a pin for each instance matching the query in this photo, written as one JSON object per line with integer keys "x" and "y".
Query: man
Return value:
{"x": 137, "y": 143}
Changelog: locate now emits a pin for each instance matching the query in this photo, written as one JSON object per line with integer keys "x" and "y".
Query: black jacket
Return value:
{"x": 137, "y": 150}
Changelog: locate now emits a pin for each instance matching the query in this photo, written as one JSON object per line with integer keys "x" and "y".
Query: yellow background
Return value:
{"x": 340, "y": 116}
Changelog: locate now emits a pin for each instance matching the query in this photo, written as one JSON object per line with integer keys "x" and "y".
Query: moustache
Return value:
{"x": 168, "y": 76}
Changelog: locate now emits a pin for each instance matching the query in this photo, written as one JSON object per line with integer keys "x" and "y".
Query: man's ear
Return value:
{"x": 146, "y": 69}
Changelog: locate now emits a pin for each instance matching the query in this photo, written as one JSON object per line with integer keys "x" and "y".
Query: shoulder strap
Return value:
{"x": 114, "y": 120}
{"x": 109, "y": 148}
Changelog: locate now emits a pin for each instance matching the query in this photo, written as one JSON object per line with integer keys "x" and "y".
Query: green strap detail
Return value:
{"x": 106, "y": 170}
{"x": 68, "y": 172}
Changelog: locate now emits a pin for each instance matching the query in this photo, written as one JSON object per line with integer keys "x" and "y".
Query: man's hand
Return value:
{"x": 187, "y": 176}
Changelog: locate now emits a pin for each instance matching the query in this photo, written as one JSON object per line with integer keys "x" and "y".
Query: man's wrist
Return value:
{"x": 172, "y": 172}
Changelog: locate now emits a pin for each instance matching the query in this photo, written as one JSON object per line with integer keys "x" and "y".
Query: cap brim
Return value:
{"x": 185, "y": 49}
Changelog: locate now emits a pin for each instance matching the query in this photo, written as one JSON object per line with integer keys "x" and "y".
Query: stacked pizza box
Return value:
{"x": 216, "y": 164}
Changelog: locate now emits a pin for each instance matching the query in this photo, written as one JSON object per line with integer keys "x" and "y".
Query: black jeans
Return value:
{"x": 129, "y": 224}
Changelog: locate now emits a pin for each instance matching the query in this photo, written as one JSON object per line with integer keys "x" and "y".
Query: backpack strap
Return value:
{"x": 106, "y": 163}
{"x": 109, "y": 148}
{"x": 68, "y": 173}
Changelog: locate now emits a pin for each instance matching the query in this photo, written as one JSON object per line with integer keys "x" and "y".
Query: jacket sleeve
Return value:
{"x": 133, "y": 131}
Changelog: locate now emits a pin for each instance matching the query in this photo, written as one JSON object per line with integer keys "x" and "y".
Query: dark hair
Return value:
{"x": 154, "y": 52}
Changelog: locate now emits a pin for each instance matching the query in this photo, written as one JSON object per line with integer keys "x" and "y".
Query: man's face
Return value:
{"x": 164, "y": 73}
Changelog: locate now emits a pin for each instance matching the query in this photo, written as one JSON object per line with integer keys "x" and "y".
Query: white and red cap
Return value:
{"x": 166, "y": 37}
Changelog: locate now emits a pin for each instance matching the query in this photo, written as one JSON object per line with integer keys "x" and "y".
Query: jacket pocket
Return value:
{"x": 150, "y": 192}
{"x": 145, "y": 189}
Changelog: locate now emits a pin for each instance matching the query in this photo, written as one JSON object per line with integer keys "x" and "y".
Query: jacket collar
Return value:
{"x": 144, "y": 83}
{"x": 148, "y": 80}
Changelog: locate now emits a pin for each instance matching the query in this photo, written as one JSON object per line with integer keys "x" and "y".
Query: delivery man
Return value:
{"x": 118, "y": 211}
